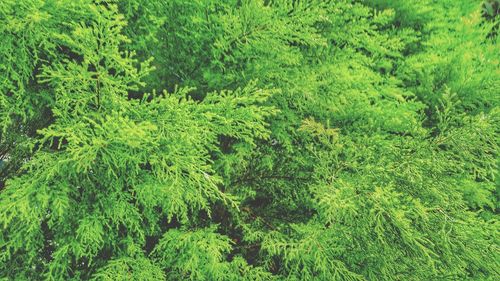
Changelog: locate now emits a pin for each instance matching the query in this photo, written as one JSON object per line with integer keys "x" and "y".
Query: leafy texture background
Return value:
{"x": 249, "y": 140}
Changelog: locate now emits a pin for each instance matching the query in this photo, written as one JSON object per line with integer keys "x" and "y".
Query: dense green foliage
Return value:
{"x": 249, "y": 140}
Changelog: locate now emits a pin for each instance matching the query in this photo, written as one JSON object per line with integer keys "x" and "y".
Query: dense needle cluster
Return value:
{"x": 249, "y": 140}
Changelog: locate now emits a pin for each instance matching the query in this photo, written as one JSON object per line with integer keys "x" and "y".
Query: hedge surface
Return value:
{"x": 249, "y": 140}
